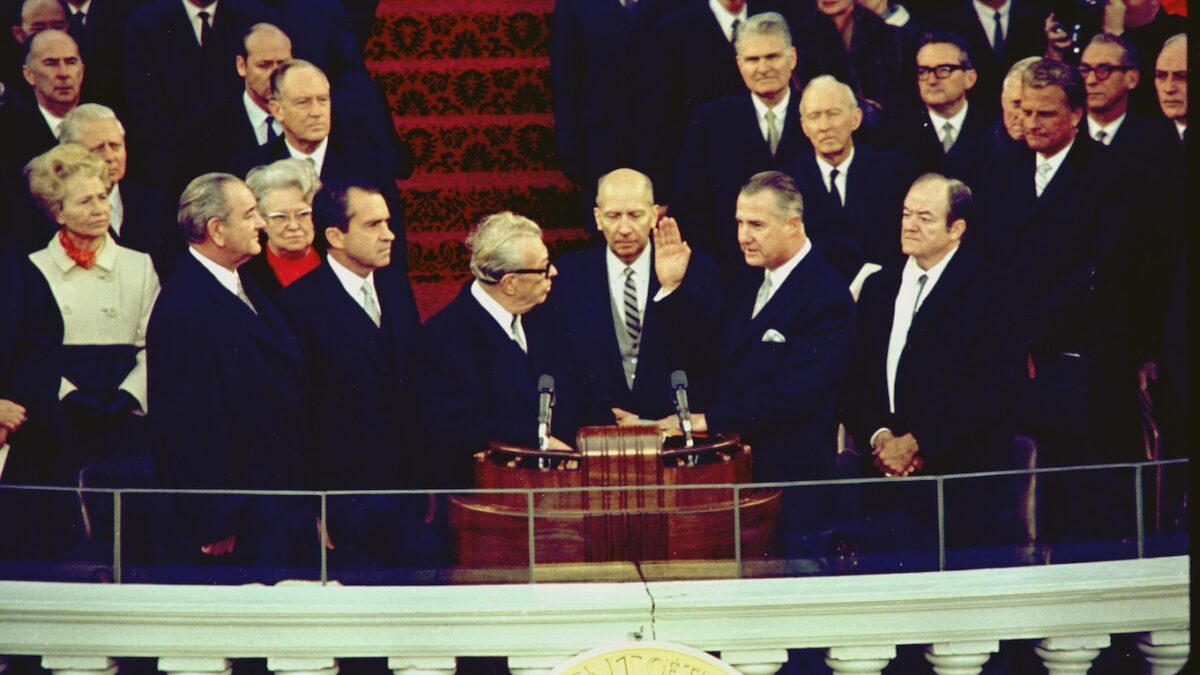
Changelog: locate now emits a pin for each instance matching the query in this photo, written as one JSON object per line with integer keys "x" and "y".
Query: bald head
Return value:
{"x": 625, "y": 212}
{"x": 37, "y": 16}
{"x": 54, "y": 70}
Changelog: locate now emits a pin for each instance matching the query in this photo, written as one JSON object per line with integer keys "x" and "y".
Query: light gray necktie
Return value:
{"x": 1041, "y": 178}
{"x": 947, "y": 137}
{"x": 772, "y": 132}
{"x": 764, "y": 295}
{"x": 370, "y": 304}
{"x": 633, "y": 317}
{"x": 241, "y": 293}
{"x": 517, "y": 335}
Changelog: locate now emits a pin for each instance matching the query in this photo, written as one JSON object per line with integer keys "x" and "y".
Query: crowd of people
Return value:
{"x": 938, "y": 226}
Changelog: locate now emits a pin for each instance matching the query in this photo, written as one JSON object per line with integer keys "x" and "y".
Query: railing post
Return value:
{"x": 960, "y": 658}
{"x": 80, "y": 665}
{"x": 304, "y": 666}
{"x": 869, "y": 660}
{"x": 1069, "y": 655}
{"x": 1166, "y": 651}
{"x": 117, "y": 562}
{"x": 757, "y": 662}
{"x": 430, "y": 665}
{"x": 535, "y": 665}
{"x": 195, "y": 666}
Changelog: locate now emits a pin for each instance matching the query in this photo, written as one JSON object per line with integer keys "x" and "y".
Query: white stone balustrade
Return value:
{"x": 962, "y": 616}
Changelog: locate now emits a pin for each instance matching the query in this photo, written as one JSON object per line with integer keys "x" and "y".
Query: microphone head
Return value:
{"x": 679, "y": 380}
{"x": 545, "y": 384}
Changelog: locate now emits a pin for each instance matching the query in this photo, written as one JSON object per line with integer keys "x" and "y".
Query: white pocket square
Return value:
{"x": 773, "y": 335}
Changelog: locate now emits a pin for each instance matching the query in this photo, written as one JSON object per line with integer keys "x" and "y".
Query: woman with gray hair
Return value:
{"x": 105, "y": 293}
{"x": 285, "y": 191}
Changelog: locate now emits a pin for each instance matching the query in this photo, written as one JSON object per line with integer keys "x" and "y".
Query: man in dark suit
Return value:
{"x": 851, "y": 191}
{"x": 1020, "y": 34}
{"x": 301, "y": 101}
{"x": 226, "y": 392}
{"x": 595, "y": 53}
{"x": 689, "y": 61}
{"x": 177, "y": 70}
{"x": 483, "y": 354}
{"x": 1058, "y": 217}
{"x": 946, "y": 133}
{"x": 733, "y": 138}
{"x": 781, "y": 343}
{"x": 604, "y": 294}
{"x": 99, "y": 26}
{"x": 28, "y": 19}
{"x": 137, "y": 211}
{"x": 356, "y": 323}
{"x": 1170, "y": 83}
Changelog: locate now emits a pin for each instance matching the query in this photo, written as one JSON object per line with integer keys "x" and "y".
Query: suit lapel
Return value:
{"x": 944, "y": 295}
{"x": 1065, "y": 180}
{"x": 502, "y": 345}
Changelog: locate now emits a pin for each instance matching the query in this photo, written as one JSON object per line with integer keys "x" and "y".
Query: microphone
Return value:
{"x": 679, "y": 384}
{"x": 545, "y": 387}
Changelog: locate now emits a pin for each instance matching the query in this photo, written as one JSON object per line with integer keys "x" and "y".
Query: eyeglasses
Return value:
{"x": 284, "y": 217}
{"x": 544, "y": 271}
{"x": 1179, "y": 76}
{"x": 1102, "y": 70}
{"x": 941, "y": 72}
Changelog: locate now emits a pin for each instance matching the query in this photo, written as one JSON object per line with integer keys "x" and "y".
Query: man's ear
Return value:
{"x": 240, "y": 64}
{"x": 972, "y": 77}
{"x": 273, "y": 106}
{"x": 957, "y": 229}
{"x": 334, "y": 237}
{"x": 216, "y": 231}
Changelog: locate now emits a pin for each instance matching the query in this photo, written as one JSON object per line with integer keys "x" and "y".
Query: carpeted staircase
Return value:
{"x": 468, "y": 82}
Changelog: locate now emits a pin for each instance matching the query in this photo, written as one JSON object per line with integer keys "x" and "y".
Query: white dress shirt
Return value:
{"x": 1109, "y": 129}
{"x": 53, "y": 121}
{"x": 1180, "y": 128}
{"x": 726, "y": 19}
{"x": 781, "y": 273}
{"x": 107, "y": 304}
{"x": 826, "y": 169}
{"x": 642, "y": 269}
{"x": 193, "y": 14}
{"x": 354, "y": 283}
{"x": 72, "y": 10}
{"x": 502, "y": 316}
{"x": 987, "y": 17}
{"x": 903, "y": 313}
{"x": 780, "y": 109}
{"x": 116, "y": 209}
{"x": 317, "y": 155}
{"x": 1054, "y": 161}
{"x": 258, "y": 119}
{"x": 226, "y": 277}
{"x": 956, "y": 122}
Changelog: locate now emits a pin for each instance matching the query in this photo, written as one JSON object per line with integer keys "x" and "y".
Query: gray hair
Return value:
{"x": 82, "y": 115}
{"x": 278, "y": 75}
{"x": 767, "y": 23}
{"x": 788, "y": 201}
{"x": 202, "y": 200}
{"x": 283, "y": 174}
{"x": 1017, "y": 71}
{"x": 831, "y": 81}
{"x": 492, "y": 244}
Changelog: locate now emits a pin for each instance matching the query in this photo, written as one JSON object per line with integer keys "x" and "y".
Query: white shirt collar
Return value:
{"x": 955, "y": 121}
{"x": 72, "y": 10}
{"x": 1180, "y": 127}
{"x": 1055, "y": 161}
{"x": 351, "y": 281}
{"x": 988, "y": 15}
{"x": 106, "y": 257}
{"x": 780, "y": 109}
{"x": 257, "y": 117}
{"x": 781, "y": 273}
{"x": 826, "y": 168}
{"x": 502, "y": 316}
{"x": 225, "y": 276}
{"x": 193, "y": 14}
{"x": 641, "y": 274}
{"x": 116, "y": 209}
{"x": 897, "y": 15}
{"x": 318, "y": 155}
{"x": 725, "y": 18}
{"x": 52, "y": 121}
{"x": 1109, "y": 129}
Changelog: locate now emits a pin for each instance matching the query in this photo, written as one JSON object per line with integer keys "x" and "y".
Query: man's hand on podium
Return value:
{"x": 671, "y": 255}
{"x": 671, "y": 423}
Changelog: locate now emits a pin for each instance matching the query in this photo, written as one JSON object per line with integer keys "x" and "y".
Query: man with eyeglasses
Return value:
{"x": 1109, "y": 75}
{"x": 947, "y": 133}
{"x": 482, "y": 356}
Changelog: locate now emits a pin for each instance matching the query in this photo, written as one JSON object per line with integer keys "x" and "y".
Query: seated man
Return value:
{"x": 483, "y": 355}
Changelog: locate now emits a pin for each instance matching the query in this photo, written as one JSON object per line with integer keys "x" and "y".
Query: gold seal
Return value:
{"x": 645, "y": 658}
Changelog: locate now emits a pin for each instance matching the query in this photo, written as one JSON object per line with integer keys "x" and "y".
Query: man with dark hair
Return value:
{"x": 998, "y": 33}
{"x": 947, "y": 133}
{"x": 226, "y": 389}
{"x": 1056, "y": 216}
{"x": 356, "y": 322}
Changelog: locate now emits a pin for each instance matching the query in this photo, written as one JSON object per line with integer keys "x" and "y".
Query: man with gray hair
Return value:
{"x": 851, "y": 190}
{"x": 226, "y": 385}
{"x": 485, "y": 352}
{"x": 138, "y": 213}
{"x": 732, "y": 138}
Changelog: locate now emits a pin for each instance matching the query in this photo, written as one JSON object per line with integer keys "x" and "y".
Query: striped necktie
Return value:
{"x": 633, "y": 317}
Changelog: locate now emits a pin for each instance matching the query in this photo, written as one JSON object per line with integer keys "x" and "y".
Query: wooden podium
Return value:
{"x": 620, "y": 498}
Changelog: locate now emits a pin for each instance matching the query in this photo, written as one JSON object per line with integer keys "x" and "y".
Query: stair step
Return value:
{"x": 439, "y": 256}
{"x": 448, "y": 145}
{"x": 460, "y": 200}
{"x": 464, "y": 90}
{"x": 459, "y": 30}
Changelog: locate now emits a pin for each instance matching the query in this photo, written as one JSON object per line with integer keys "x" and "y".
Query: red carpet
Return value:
{"x": 468, "y": 82}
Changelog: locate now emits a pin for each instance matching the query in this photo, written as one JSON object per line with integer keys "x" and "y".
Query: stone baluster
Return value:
{"x": 425, "y": 665}
{"x": 303, "y": 666}
{"x": 1070, "y": 655}
{"x": 960, "y": 658}
{"x": 79, "y": 665}
{"x": 536, "y": 665}
{"x": 756, "y": 662}
{"x": 195, "y": 666}
{"x": 869, "y": 660}
{"x": 1166, "y": 651}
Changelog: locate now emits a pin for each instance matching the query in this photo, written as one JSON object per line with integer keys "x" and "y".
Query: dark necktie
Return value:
{"x": 271, "y": 135}
{"x": 78, "y": 20}
{"x": 833, "y": 188}
{"x": 733, "y": 29}
{"x": 998, "y": 37}
{"x": 205, "y": 28}
{"x": 920, "y": 289}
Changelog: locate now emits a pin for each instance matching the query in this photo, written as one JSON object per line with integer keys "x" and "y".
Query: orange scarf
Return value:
{"x": 82, "y": 257}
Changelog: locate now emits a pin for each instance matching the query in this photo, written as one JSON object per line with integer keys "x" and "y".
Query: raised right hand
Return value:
{"x": 671, "y": 254}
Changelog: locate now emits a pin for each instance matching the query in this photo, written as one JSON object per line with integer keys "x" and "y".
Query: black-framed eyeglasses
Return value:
{"x": 544, "y": 271}
{"x": 1177, "y": 75}
{"x": 940, "y": 72}
{"x": 1102, "y": 70}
